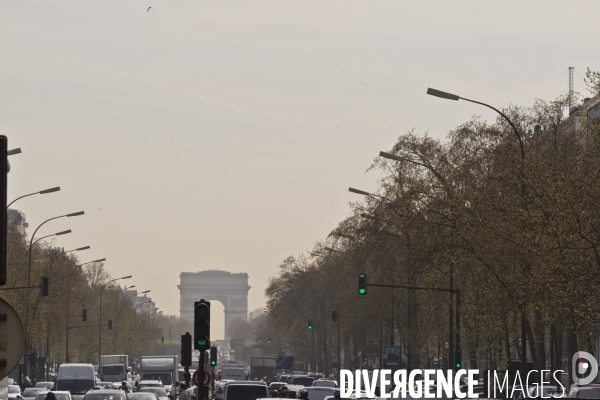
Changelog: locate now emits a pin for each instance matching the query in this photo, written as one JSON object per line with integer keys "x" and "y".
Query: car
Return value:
{"x": 104, "y": 395}
{"x": 303, "y": 380}
{"x": 245, "y": 390}
{"x": 325, "y": 383}
{"x": 142, "y": 396}
{"x": 274, "y": 388}
{"x": 319, "y": 393}
{"x": 14, "y": 392}
{"x": 160, "y": 392}
{"x": 584, "y": 392}
{"x": 219, "y": 390}
{"x": 105, "y": 385}
{"x": 59, "y": 394}
{"x": 290, "y": 391}
{"x": 148, "y": 383}
{"x": 47, "y": 385}
{"x": 30, "y": 393}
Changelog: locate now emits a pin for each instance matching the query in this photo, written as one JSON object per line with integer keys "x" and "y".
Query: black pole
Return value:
{"x": 451, "y": 322}
{"x": 200, "y": 376}
{"x": 339, "y": 358}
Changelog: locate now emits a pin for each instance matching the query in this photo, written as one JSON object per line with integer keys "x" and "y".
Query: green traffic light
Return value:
{"x": 310, "y": 327}
{"x": 457, "y": 365}
{"x": 213, "y": 363}
{"x": 361, "y": 291}
{"x": 201, "y": 342}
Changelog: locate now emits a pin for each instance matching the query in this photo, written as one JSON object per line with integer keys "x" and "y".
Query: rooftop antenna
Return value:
{"x": 571, "y": 69}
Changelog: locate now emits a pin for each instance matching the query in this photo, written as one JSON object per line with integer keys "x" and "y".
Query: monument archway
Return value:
{"x": 229, "y": 289}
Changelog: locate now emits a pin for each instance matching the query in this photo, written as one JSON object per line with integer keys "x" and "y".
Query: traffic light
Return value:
{"x": 458, "y": 359}
{"x": 110, "y": 324}
{"x": 356, "y": 362}
{"x": 334, "y": 315}
{"x": 213, "y": 356}
{"x": 45, "y": 284}
{"x": 186, "y": 350}
{"x": 362, "y": 284}
{"x": 268, "y": 340}
{"x": 84, "y": 315}
{"x": 3, "y": 216}
{"x": 201, "y": 325}
{"x": 310, "y": 325}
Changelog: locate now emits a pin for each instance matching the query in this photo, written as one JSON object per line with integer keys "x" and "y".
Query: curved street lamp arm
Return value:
{"x": 508, "y": 120}
{"x": 18, "y": 198}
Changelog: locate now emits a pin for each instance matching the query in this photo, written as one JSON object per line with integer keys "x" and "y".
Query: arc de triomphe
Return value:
{"x": 229, "y": 289}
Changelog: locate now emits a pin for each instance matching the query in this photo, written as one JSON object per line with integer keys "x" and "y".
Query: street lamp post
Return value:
{"x": 100, "y": 325}
{"x": 77, "y": 267}
{"x": 450, "y": 96}
{"x": 51, "y": 190}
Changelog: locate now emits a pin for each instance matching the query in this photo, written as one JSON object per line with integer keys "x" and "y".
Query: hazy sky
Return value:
{"x": 225, "y": 134}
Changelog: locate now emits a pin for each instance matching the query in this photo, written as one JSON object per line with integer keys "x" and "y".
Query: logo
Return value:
{"x": 584, "y": 368}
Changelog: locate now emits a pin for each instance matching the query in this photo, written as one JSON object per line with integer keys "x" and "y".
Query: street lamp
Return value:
{"x": 79, "y": 249}
{"x": 51, "y": 190}
{"x": 450, "y": 96}
{"x": 34, "y": 232}
{"x": 100, "y": 325}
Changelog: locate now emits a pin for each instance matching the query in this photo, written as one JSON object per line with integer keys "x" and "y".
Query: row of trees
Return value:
{"x": 71, "y": 290}
{"x": 513, "y": 223}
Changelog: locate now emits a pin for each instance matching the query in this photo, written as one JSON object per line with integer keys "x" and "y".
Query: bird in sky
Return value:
{"x": 149, "y": 8}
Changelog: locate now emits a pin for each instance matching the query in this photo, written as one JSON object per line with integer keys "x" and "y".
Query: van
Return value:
{"x": 76, "y": 379}
{"x": 245, "y": 390}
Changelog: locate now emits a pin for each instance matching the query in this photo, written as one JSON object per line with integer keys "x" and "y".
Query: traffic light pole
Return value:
{"x": 431, "y": 289}
{"x": 200, "y": 376}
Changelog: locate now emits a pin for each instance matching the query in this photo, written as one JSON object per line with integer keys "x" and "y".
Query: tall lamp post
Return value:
{"x": 33, "y": 236}
{"x": 450, "y": 96}
{"x": 100, "y": 325}
{"x": 51, "y": 190}
{"x": 77, "y": 267}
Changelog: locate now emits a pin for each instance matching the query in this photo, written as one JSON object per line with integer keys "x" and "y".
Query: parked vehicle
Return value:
{"x": 245, "y": 390}
{"x": 77, "y": 379}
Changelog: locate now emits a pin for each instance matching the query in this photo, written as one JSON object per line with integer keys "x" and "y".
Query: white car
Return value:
{"x": 14, "y": 392}
{"x": 319, "y": 393}
{"x": 31, "y": 393}
{"x": 160, "y": 392}
{"x": 60, "y": 395}
{"x": 325, "y": 383}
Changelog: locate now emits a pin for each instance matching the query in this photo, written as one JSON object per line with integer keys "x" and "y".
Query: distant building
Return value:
{"x": 141, "y": 303}
{"x": 581, "y": 115}
{"x": 17, "y": 218}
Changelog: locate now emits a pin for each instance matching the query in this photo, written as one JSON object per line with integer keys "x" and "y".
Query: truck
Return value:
{"x": 263, "y": 366}
{"x": 233, "y": 372}
{"x": 162, "y": 368}
{"x": 114, "y": 368}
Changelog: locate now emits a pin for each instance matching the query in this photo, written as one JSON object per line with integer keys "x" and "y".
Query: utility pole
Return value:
{"x": 571, "y": 70}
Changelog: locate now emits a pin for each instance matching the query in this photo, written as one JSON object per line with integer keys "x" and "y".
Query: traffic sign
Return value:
{"x": 206, "y": 378}
{"x": 11, "y": 338}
